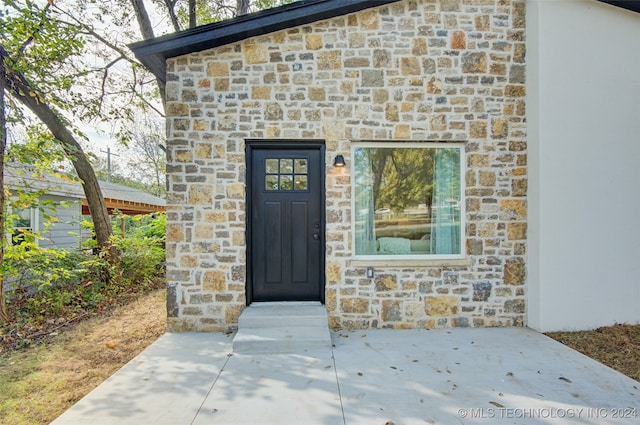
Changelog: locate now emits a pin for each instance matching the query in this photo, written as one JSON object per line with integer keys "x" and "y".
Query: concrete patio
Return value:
{"x": 372, "y": 377}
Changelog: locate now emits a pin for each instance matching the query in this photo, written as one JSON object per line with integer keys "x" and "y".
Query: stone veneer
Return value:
{"x": 416, "y": 70}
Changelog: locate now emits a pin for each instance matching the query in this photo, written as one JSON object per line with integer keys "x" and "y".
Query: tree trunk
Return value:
{"x": 192, "y": 14}
{"x": 146, "y": 29}
{"x": 20, "y": 89}
{"x": 242, "y": 7}
{"x": 172, "y": 14}
{"x": 4, "y": 315}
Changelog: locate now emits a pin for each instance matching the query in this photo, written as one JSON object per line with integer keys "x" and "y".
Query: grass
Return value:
{"x": 39, "y": 384}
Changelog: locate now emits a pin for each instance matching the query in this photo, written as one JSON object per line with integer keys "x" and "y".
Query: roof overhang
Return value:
{"x": 154, "y": 53}
{"x": 125, "y": 207}
{"x": 632, "y": 5}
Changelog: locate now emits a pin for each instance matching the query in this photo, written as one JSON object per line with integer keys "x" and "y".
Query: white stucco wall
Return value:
{"x": 584, "y": 156}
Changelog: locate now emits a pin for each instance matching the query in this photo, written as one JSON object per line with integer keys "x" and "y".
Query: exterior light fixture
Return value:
{"x": 339, "y": 161}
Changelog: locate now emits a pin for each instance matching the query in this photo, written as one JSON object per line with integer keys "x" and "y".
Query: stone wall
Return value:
{"x": 416, "y": 70}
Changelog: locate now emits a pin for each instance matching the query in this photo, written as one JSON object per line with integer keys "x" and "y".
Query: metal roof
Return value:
{"x": 154, "y": 53}
{"x": 26, "y": 177}
{"x": 126, "y": 199}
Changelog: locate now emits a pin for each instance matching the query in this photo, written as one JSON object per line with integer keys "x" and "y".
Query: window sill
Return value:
{"x": 390, "y": 263}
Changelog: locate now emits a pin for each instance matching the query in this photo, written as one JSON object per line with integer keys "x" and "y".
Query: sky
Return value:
{"x": 101, "y": 135}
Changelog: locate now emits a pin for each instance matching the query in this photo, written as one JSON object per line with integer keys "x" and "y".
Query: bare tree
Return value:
{"x": 149, "y": 142}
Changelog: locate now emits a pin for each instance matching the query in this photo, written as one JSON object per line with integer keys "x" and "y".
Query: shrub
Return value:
{"x": 52, "y": 284}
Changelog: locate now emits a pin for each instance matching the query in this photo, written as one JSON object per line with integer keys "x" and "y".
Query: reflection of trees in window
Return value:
{"x": 404, "y": 177}
{"x": 407, "y": 197}
{"x": 400, "y": 178}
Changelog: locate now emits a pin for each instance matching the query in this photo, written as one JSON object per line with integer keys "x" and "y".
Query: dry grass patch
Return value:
{"x": 39, "y": 384}
{"x": 616, "y": 346}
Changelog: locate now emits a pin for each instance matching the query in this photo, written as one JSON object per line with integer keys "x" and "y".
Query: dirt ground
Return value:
{"x": 616, "y": 346}
{"x": 40, "y": 383}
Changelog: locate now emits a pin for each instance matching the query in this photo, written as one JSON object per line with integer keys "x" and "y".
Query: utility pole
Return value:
{"x": 108, "y": 152}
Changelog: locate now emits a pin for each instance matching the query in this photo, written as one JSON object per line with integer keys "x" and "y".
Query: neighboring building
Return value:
{"x": 372, "y": 155}
{"x": 64, "y": 199}
{"x": 59, "y": 198}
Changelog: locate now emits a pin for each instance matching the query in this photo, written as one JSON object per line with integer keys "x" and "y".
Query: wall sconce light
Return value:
{"x": 339, "y": 161}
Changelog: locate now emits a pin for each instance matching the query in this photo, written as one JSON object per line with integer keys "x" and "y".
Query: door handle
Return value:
{"x": 316, "y": 236}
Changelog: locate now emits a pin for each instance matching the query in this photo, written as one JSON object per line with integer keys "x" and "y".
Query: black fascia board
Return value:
{"x": 632, "y": 5}
{"x": 154, "y": 53}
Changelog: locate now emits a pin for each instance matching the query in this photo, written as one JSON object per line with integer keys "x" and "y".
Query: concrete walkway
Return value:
{"x": 372, "y": 377}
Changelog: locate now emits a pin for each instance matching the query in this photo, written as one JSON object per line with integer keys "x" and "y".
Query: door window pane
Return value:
{"x": 272, "y": 166}
{"x": 301, "y": 166}
{"x": 286, "y": 166}
{"x": 271, "y": 182}
{"x": 408, "y": 201}
{"x": 286, "y": 183}
{"x": 286, "y": 174}
{"x": 301, "y": 183}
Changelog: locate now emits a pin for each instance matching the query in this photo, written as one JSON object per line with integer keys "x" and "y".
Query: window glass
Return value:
{"x": 286, "y": 183}
{"x": 301, "y": 183}
{"x": 408, "y": 200}
{"x": 271, "y": 182}
{"x": 22, "y": 218}
{"x": 286, "y": 166}
{"x": 301, "y": 166}
{"x": 285, "y": 174}
{"x": 272, "y": 166}
{"x": 22, "y": 226}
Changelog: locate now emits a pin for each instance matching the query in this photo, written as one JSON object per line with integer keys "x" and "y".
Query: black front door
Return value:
{"x": 286, "y": 222}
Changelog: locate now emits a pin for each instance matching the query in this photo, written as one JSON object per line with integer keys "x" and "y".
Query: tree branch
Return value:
{"x": 22, "y": 90}
{"x": 171, "y": 6}
{"x": 29, "y": 40}
{"x": 148, "y": 30}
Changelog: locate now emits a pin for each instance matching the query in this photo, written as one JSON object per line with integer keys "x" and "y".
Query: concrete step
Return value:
{"x": 282, "y": 328}
{"x": 269, "y": 315}
{"x": 296, "y": 339}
